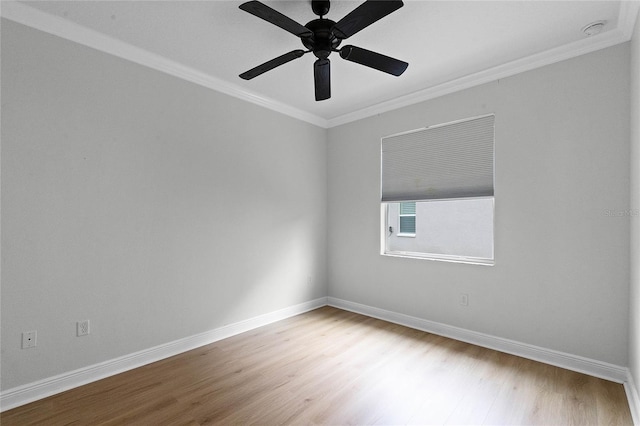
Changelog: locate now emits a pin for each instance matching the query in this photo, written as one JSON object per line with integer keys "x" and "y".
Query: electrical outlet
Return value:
{"x": 464, "y": 299}
{"x": 29, "y": 339}
{"x": 82, "y": 328}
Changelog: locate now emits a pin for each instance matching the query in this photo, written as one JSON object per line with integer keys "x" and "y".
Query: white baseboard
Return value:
{"x": 30, "y": 392}
{"x": 633, "y": 397}
{"x": 588, "y": 366}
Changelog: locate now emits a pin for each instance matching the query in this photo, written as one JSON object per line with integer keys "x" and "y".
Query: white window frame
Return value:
{"x": 384, "y": 221}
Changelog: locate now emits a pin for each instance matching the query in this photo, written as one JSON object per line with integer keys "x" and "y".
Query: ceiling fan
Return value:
{"x": 323, "y": 36}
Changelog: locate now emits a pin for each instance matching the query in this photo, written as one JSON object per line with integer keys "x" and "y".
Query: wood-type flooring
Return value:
{"x": 333, "y": 367}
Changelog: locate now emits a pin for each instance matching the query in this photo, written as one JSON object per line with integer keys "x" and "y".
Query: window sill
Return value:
{"x": 405, "y": 234}
{"x": 442, "y": 258}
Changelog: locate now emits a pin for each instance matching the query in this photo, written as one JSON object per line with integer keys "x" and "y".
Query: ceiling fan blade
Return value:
{"x": 364, "y": 15}
{"x": 322, "y": 78}
{"x": 374, "y": 60}
{"x": 269, "y": 65}
{"x": 263, "y": 11}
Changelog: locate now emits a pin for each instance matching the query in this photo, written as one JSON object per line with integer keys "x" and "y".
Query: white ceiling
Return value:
{"x": 448, "y": 44}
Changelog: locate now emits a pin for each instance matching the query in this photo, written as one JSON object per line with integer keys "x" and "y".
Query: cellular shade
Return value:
{"x": 441, "y": 162}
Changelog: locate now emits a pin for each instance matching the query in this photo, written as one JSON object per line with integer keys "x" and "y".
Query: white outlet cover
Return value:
{"x": 464, "y": 299}
{"x": 29, "y": 339}
{"x": 82, "y": 328}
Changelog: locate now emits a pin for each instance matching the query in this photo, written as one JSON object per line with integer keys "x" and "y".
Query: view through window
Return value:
{"x": 445, "y": 229}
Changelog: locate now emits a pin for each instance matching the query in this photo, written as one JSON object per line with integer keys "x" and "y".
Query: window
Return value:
{"x": 437, "y": 186}
{"x": 407, "y": 219}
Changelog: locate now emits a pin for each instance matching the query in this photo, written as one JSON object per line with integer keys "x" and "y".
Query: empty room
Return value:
{"x": 320, "y": 212}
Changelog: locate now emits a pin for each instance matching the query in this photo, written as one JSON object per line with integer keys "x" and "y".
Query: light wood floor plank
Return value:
{"x": 330, "y": 366}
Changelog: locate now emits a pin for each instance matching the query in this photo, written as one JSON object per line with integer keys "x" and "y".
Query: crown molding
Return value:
{"x": 568, "y": 51}
{"x": 34, "y": 18}
{"x": 63, "y": 28}
{"x": 628, "y": 16}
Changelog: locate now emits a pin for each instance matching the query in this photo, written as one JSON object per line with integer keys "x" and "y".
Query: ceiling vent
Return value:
{"x": 594, "y": 28}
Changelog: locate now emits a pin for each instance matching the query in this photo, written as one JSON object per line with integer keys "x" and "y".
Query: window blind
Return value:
{"x": 446, "y": 161}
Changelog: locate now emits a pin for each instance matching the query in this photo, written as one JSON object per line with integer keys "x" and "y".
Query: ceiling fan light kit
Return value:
{"x": 323, "y": 36}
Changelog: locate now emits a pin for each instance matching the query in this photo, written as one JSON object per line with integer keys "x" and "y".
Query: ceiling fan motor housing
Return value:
{"x": 320, "y": 7}
{"x": 323, "y": 41}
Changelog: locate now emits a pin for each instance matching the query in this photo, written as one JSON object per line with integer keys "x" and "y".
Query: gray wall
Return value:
{"x": 561, "y": 278}
{"x": 634, "y": 297}
{"x": 156, "y": 208}
{"x": 159, "y": 209}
